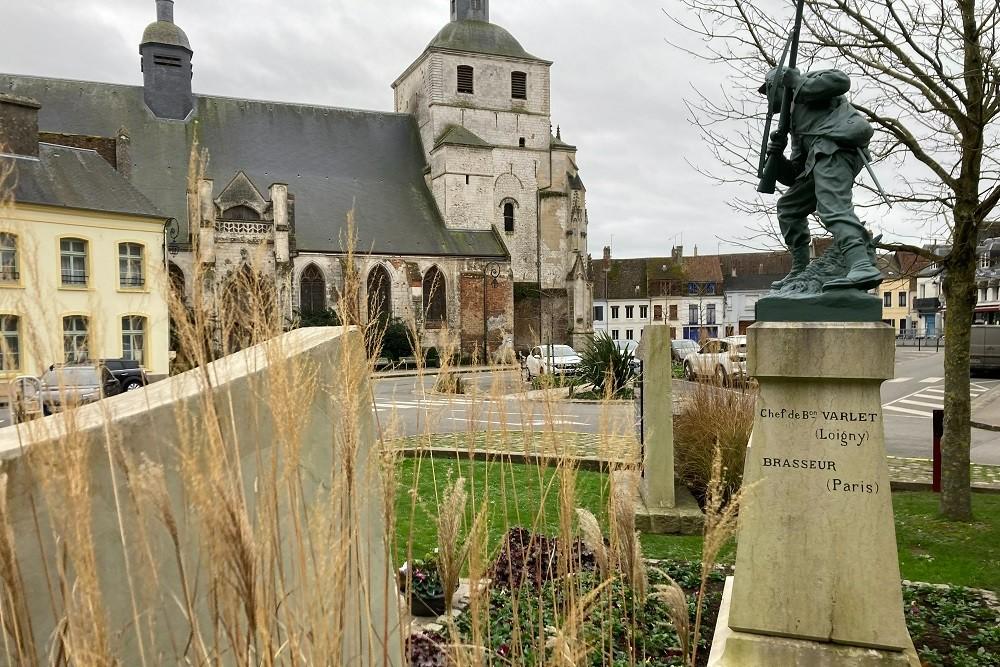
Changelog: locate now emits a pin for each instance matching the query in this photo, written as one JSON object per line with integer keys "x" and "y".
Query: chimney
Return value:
{"x": 165, "y": 10}
{"x": 607, "y": 258}
{"x": 678, "y": 253}
{"x": 19, "y": 125}
{"x": 696, "y": 250}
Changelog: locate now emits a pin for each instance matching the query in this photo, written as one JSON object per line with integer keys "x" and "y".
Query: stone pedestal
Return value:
{"x": 662, "y": 505}
{"x": 816, "y": 560}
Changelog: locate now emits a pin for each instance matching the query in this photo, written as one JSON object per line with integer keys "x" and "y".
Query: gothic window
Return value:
{"x": 508, "y": 216}
{"x": 379, "y": 296}
{"x": 312, "y": 291}
{"x": 519, "y": 85}
{"x": 466, "y": 79}
{"x": 240, "y": 212}
{"x": 435, "y": 299}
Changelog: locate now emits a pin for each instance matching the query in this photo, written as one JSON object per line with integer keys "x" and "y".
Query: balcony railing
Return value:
{"x": 74, "y": 278}
{"x": 9, "y": 275}
{"x": 132, "y": 282}
{"x": 929, "y": 305}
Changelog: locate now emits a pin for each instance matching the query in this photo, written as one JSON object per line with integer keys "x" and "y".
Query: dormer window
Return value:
{"x": 518, "y": 85}
{"x": 466, "y": 79}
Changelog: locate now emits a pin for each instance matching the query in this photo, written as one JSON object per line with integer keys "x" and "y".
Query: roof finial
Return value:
{"x": 165, "y": 11}
{"x": 558, "y": 132}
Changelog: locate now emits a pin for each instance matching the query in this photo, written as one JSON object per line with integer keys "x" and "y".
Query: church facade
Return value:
{"x": 469, "y": 215}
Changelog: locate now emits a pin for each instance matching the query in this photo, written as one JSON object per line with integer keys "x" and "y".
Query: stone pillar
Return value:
{"x": 205, "y": 206}
{"x": 279, "y": 210}
{"x": 817, "y": 577}
{"x": 662, "y": 505}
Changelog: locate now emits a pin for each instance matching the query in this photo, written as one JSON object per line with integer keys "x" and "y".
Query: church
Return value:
{"x": 469, "y": 212}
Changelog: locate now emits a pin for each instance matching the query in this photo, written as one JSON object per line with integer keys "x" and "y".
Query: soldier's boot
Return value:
{"x": 862, "y": 274}
{"x": 800, "y": 260}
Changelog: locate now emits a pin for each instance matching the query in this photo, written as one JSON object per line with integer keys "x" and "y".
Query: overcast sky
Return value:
{"x": 617, "y": 86}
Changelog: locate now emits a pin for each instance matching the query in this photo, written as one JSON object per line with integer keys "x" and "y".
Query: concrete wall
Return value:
{"x": 167, "y": 423}
{"x": 40, "y": 299}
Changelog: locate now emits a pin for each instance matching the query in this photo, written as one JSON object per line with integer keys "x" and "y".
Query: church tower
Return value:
{"x": 166, "y": 66}
{"x": 470, "y": 10}
{"x": 482, "y": 105}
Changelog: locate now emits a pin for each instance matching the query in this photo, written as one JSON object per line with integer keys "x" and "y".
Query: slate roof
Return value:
{"x": 479, "y": 37}
{"x": 755, "y": 263}
{"x": 456, "y": 135}
{"x": 78, "y": 179}
{"x": 331, "y": 159}
{"x": 622, "y": 279}
{"x": 703, "y": 269}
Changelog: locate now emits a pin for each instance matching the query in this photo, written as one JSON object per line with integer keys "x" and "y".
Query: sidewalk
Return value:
{"x": 986, "y": 410}
{"x": 461, "y": 370}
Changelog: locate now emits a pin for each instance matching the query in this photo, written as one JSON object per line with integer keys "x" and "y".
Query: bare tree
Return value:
{"x": 925, "y": 73}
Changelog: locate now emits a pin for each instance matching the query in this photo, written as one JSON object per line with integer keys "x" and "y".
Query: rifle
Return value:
{"x": 769, "y": 173}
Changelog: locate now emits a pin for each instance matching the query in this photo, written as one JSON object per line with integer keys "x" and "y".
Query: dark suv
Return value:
{"x": 128, "y": 372}
{"x": 72, "y": 385}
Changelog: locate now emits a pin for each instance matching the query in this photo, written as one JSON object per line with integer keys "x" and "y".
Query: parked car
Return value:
{"x": 76, "y": 384}
{"x": 680, "y": 349}
{"x": 631, "y": 347}
{"x": 725, "y": 359}
{"x": 129, "y": 373}
{"x": 984, "y": 348}
{"x": 555, "y": 359}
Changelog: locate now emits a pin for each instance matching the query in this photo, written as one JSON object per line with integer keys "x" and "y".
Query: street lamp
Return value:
{"x": 491, "y": 270}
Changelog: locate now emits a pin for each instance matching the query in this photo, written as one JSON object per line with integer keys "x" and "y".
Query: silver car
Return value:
{"x": 74, "y": 385}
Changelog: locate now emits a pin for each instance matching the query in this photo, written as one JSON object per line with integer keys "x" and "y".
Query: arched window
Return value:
{"x": 240, "y": 212}
{"x": 435, "y": 299}
{"x": 466, "y": 79}
{"x": 379, "y": 296}
{"x": 312, "y": 291}
{"x": 518, "y": 85}
{"x": 177, "y": 285}
{"x": 9, "y": 271}
{"x": 508, "y": 216}
{"x": 76, "y": 342}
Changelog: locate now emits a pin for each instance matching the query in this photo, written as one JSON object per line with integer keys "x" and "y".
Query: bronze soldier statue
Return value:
{"x": 829, "y": 149}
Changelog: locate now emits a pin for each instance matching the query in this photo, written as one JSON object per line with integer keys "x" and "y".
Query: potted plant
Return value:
{"x": 420, "y": 581}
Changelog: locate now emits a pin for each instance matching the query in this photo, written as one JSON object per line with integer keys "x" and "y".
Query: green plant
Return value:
{"x": 322, "y": 318}
{"x": 606, "y": 366}
{"x": 421, "y": 578}
{"x": 710, "y": 414}
{"x": 394, "y": 341}
{"x": 449, "y": 382}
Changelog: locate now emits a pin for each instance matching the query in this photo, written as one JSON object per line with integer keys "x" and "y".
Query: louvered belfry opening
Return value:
{"x": 519, "y": 85}
{"x": 466, "y": 79}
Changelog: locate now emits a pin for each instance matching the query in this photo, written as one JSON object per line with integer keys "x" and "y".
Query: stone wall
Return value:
{"x": 249, "y": 391}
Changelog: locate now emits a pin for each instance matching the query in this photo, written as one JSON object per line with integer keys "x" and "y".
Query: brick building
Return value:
{"x": 462, "y": 188}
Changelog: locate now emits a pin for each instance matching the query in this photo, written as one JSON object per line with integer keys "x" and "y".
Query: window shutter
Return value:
{"x": 466, "y": 79}
{"x": 519, "y": 85}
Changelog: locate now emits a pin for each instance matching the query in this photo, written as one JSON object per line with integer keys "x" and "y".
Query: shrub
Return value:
{"x": 709, "y": 414}
{"x": 432, "y": 358}
{"x": 449, "y": 382}
{"x": 394, "y": 342}
{"x": 604, "y": 365}
{"x": 323, "y": 318}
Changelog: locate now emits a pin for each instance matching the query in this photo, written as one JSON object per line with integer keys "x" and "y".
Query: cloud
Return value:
{"x": 617, "y": 86}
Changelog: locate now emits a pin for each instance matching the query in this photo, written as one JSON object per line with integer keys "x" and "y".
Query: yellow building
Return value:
{"x": 81, "y": 257}
{"x": 897, "y": 291}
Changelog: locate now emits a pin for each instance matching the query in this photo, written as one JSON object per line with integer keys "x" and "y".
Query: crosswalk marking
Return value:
{"x": 931, "y": 380}
{"x": 921, "y": 413}
{"x": 920, "y": 403}
{"x": 895, "y": 380}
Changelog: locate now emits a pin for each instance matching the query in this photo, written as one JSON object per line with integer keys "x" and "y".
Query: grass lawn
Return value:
{"x": 930, "y": 549}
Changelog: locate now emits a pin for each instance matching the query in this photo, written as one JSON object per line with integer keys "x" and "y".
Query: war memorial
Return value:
{"x": 817, "y": 579}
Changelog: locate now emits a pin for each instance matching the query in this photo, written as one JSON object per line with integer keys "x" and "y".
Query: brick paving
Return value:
{"x": 623, "y": 449}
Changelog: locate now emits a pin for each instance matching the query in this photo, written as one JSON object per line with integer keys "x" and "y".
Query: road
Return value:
{"x": 407, "y": 406}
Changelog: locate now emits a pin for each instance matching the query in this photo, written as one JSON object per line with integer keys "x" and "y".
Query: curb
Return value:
{"x": 432, "y": 372}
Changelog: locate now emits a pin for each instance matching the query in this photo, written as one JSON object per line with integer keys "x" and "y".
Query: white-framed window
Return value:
{"x": 887, "y": 299}
{"x": 73, "y": 261}
{"x": 598, "y": 313}
{"x": 130, "y": 266}
{"x": 9, "y": 271}
{"x": 10, "y": 343}
{"x": 629, "y": 312}
{"x": 614, "y": 334}
{"x": 692, "y": 314}
{"x": 614, "y": 312}
{"x": 629, "y": 334}
{"x": 643, "y": 312}
{"x": 76, "y": 341}
{"x": 902, "y": 299}
{"x": 134, "y": 338}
